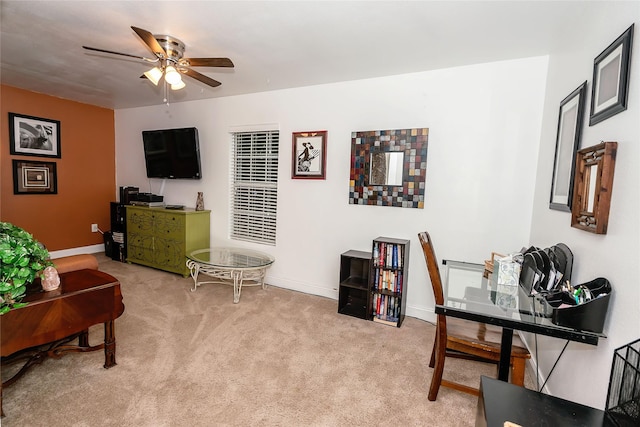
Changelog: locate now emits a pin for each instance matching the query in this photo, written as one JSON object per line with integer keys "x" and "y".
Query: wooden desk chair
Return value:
{"x": 464, "y": 339}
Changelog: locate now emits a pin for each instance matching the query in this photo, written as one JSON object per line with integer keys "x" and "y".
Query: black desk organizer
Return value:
{"x": 534, "y": 277}
{"x": 588, "y": 316}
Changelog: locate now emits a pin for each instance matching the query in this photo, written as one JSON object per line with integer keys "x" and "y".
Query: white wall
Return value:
{"x": 490, "y": 157}
{"x": 484, "y": 123}
{"x": 583, "y": 371}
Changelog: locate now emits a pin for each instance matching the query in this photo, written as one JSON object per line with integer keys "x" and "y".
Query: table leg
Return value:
{"x": 109, "y": 345}
{"x": 83, "y": 338}
{"x": 505, "y": 354}
{"x": 194, "y": 270}
{"x": 237, "y": 285}
{"x": 263, "y": 273}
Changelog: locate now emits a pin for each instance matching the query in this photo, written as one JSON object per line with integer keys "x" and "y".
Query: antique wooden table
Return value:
{"x": 51, "y": 320}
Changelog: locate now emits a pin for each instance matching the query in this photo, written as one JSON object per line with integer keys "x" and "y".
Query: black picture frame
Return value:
{"x": 33, "y": 177}
{"x": 611, "y": 72}
{"x": 570, "y": 120}
{"x": 34, "y": 136}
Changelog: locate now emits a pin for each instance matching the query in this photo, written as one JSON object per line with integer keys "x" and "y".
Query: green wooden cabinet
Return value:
{"x": 162, "y": 238}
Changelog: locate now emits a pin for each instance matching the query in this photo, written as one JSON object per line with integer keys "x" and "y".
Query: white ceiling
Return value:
{"x": 274, "y": 45}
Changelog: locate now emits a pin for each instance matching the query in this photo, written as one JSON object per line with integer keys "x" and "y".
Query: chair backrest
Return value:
{"x": 432, "y": 266}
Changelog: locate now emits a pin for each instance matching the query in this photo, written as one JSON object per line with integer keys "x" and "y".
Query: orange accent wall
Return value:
{"x": 86, "y": 171}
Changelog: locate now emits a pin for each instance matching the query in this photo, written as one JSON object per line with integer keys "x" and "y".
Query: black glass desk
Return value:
{"x": 468, "y": 295}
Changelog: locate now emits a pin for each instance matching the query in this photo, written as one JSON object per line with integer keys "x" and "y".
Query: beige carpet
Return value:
{"x": 278, "y": 358}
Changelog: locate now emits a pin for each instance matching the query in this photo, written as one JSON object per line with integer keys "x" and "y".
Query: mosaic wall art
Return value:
{"x": 411, "y": 142}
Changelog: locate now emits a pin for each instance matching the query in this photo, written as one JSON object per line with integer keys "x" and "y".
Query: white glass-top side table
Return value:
{"x": 243, "y": 267}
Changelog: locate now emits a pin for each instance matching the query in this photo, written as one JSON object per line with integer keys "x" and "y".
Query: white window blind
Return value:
{"x": 254, "y": 186}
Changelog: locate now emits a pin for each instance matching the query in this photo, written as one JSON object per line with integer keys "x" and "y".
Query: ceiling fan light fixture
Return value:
{"x": 154, "y": 74}
{"x": 172, "y": 76}
{"x": 168, "y": 56}
{"x": 178, "y": 85}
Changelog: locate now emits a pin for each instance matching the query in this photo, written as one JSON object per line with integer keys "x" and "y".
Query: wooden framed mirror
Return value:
{"x": 593, "y": 183}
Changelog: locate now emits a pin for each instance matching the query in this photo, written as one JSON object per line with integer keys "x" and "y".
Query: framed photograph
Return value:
{"x": 309, "y": 155}
{"x": 34, "y": 136}
{"x": 570, "y": 122}
{"x": 610, "y": 87}
{"x": 30, "y": 177}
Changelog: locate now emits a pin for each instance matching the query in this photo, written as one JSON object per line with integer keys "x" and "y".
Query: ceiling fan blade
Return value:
{"x": 150, "y": 41}
{"x": 114, "y": 53}
{"x": 201, "y": 77}
{"x": 206, "y": 62}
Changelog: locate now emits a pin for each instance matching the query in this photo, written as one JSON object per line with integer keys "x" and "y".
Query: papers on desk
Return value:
{"x": 507, "y": 270}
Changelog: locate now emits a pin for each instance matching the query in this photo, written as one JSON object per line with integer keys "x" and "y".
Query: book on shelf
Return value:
{"x": 387, "y": 280}
{"x": 376, "y": 254}
{"x": 387, "y": 312}
{"x": 374, "y": 303}
{"x": 394, "y": 310}
{"x": 394, "y": 256}
{"x": 398, "y": 286}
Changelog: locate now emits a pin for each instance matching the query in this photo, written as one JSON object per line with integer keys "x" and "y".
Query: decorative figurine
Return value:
{"x": 51, "y": 280}
{"x": 200, "y": 202}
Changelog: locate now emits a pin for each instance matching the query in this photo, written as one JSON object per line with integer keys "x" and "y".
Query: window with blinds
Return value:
{"x": 254, "y": 186}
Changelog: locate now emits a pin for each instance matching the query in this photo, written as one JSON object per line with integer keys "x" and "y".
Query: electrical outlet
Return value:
{"x": 94, "y": 228}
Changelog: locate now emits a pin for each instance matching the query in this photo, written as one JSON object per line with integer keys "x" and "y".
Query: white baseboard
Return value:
{"x": 421, "y": 313}
{"x": 302, "y": 287}
{"x": 412, "y": 311}
{"x": 93, "y": 249}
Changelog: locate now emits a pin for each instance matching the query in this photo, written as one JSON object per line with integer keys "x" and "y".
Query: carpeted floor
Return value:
{"x": 278, "y": 358}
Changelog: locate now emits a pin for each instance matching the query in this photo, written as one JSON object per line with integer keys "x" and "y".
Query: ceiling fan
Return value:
{"x": 169, "y": 60}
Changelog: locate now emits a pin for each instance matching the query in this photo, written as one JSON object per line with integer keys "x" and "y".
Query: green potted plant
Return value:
{"x": 22, "y": 259}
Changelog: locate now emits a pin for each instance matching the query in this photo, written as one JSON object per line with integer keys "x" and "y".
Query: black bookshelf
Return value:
{"x": 388, "y": 280}
{"x": 115, "y": 242}
{"x": 353, "y": 298}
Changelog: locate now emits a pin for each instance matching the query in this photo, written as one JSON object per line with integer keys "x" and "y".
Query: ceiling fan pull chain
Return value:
{"x": 165, "y": 100}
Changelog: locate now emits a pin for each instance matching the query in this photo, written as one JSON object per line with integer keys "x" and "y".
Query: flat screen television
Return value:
{"x": 172, "y": 153}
